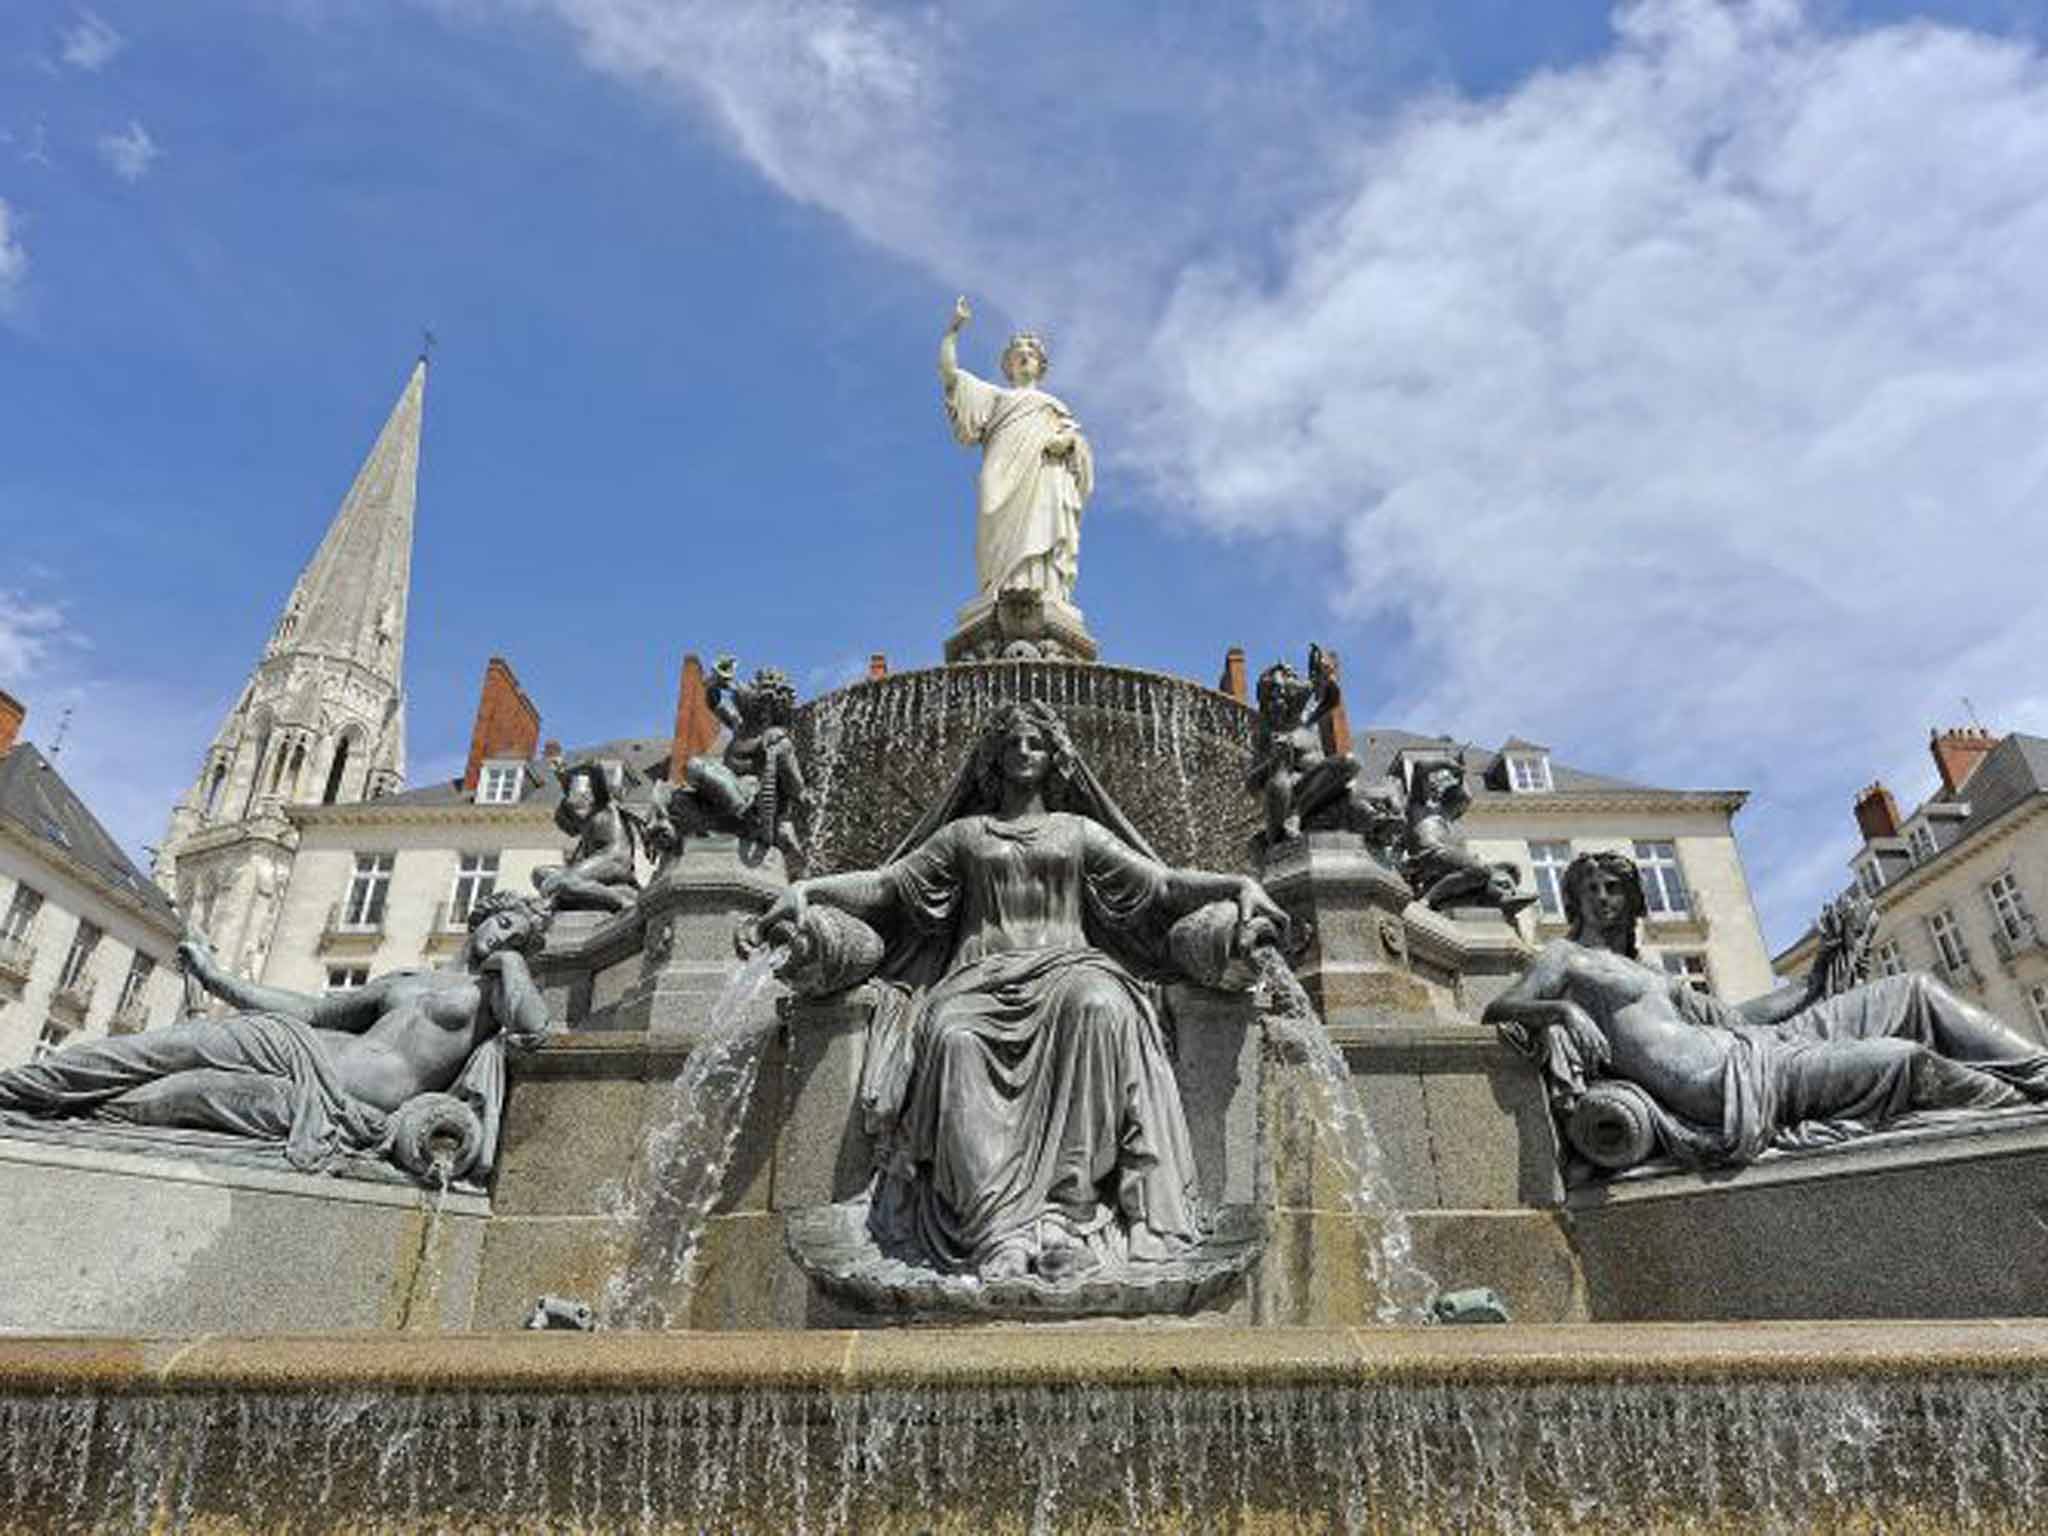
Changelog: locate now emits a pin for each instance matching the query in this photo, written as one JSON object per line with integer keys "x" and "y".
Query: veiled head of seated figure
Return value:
{"x": 1025, "y": 360}
{"x": 507, "y": 920}
{"x": 1603, "y": 893}
{"x": 1033, "y": 720}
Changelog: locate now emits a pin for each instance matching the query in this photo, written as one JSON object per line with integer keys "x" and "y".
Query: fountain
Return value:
{"x": 840, "y": 1287}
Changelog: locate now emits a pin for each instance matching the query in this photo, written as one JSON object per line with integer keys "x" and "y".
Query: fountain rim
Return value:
{"x": 1043, "y": 1355}
{"x": 950, "y": 668}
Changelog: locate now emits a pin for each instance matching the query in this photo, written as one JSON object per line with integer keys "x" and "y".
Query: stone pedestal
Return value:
{"x": 1030, "y": 626}
{"x": 590, "y": 960}
{"x": 689, "y": 912}
{"x": 1379, "y": 957}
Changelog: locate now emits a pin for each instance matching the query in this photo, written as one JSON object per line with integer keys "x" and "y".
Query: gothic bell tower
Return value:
{"x": 321, "y": 719}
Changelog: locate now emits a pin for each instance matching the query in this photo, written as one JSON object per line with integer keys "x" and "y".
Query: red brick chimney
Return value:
{"x": 697, "y": 729}
{"x": 1336, "y": 727}
{"x": 878, "y": 667}
{"x": 12, "y": 713}
{"x": 507, "y": 724}
{"x": 1877, "y": 813}
{"x": 1958, "y": 752}
{"x": 1232, "y": 680}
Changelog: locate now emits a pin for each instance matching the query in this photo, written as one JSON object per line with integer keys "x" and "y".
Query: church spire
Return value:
{"x": 322, "y": 718}
{"x": 349, "y": 602}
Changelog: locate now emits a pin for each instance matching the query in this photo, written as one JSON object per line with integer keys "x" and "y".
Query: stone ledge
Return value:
{"x": 70, "y": 1146}
{"x": 1183, "y": 1355}
{"x": 2008, "y": 1133}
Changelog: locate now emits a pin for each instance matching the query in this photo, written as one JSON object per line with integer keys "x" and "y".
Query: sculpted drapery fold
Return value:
{"x": 1028, "y": 530}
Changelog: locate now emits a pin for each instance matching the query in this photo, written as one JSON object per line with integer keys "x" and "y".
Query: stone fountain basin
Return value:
{"x": 1739, "y": 1427}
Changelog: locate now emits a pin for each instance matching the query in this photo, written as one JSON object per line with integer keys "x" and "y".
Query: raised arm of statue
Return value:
{"x": 199, "y": 963}
{"x": 949, "y": 344}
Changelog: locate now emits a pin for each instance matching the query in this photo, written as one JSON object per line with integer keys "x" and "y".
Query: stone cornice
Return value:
{"x": 77, "y": 869}
{"x": 451, "y": 813}
{"x": 1594, "y": 802}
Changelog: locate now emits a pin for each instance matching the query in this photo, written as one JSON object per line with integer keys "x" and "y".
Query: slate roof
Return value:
{"x": 2013, "y": 770}
{"x": 1376, "y": 746}
{"x": 645, "y": 758}
{"x": 34, "y": 796}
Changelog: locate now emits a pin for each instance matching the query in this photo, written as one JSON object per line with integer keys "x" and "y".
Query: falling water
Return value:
{"x": 425, "y": 1284}
{"x": 659, "y": 1215}
{"x": 1942, "y": 1452}
{"x": 1404, "y": 1287}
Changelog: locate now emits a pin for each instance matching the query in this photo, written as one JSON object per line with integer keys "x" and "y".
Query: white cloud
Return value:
{"x": 131, "y": 153}
{"x": 90, "y": 44}
{"x": 1685, "y": 406}
{"x": 45, "y": 662}
{"x": 13, "y": 274}
{"x": 28, "y": 632}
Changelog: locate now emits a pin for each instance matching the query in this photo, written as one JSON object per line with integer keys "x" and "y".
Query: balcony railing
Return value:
{"x": 17, "y": 957}
{"x": 340, "y": 934}
{"x": 2011, "y": 945}
{"x": 1963, "y": 974}
{"x": 74, "y": 999}
{"x": 448, "y": 930}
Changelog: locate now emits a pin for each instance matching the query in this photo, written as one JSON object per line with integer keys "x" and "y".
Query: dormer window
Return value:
{"x": 1528, "y": 772}
{"x": 1870, "y": 876}
{"x": 1921, "y": 841}
{"x": 500, "y": 783}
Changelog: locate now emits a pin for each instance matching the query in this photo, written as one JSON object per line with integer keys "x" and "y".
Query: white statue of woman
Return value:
{"x": 1036, "y": 469}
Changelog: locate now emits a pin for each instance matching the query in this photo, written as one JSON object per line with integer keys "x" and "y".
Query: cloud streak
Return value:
{"x": 130, "y": 154}
{"x": 1684, "y": 408}
{"x": 90, "y": 44}
{"x": 13, "y": 278}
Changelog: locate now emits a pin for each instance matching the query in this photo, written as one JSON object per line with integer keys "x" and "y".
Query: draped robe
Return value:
{"x": 1898, "y": 1051}
{"x": 261, "y": 1076}
{"x": 1028, "y": 529}
{"x": 1028, "y": 1086}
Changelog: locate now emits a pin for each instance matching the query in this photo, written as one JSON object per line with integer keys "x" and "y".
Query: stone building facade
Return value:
{"x": 87, "y": 944}
{"x": 1959, "y": 881}
{"x": 387, "y": 883}
{"x": 321, "y": 720}
{"x": 1538, "y": 814}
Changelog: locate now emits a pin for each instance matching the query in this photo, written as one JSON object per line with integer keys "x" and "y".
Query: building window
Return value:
{"x": 1528, "y": 773}
{"x": 476, "y": 876}
{"x": 367, "y": 890}
{"x": 21, "y": 914}
{"x": 346, "y": 978}
{"x": 1663, "y": 881}
{"x": 1870, "y": 875}
{"x": 1547, "y": 863}
{"x": 1921, "y": 841}
{"x": 1887, "y": 960}
{"x": 140, "y": 969}
{"x": 1689, "y": 964}
{"x": 499, "y": 784}
{"x": 83, "y": 943}
{"x": 55, "y": 1032}
{"x": 2037, "y": 999}
{"x": 2009, "y": 912}
{"x": 1948, "y": 940}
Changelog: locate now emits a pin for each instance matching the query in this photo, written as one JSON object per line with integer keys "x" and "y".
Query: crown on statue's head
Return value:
{"x": 1032, "y": 341}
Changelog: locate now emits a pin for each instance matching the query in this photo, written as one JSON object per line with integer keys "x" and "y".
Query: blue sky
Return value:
{"x": 1666, "y": 384}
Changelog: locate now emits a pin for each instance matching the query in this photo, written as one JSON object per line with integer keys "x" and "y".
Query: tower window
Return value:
{"x": 334, "y": 774}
